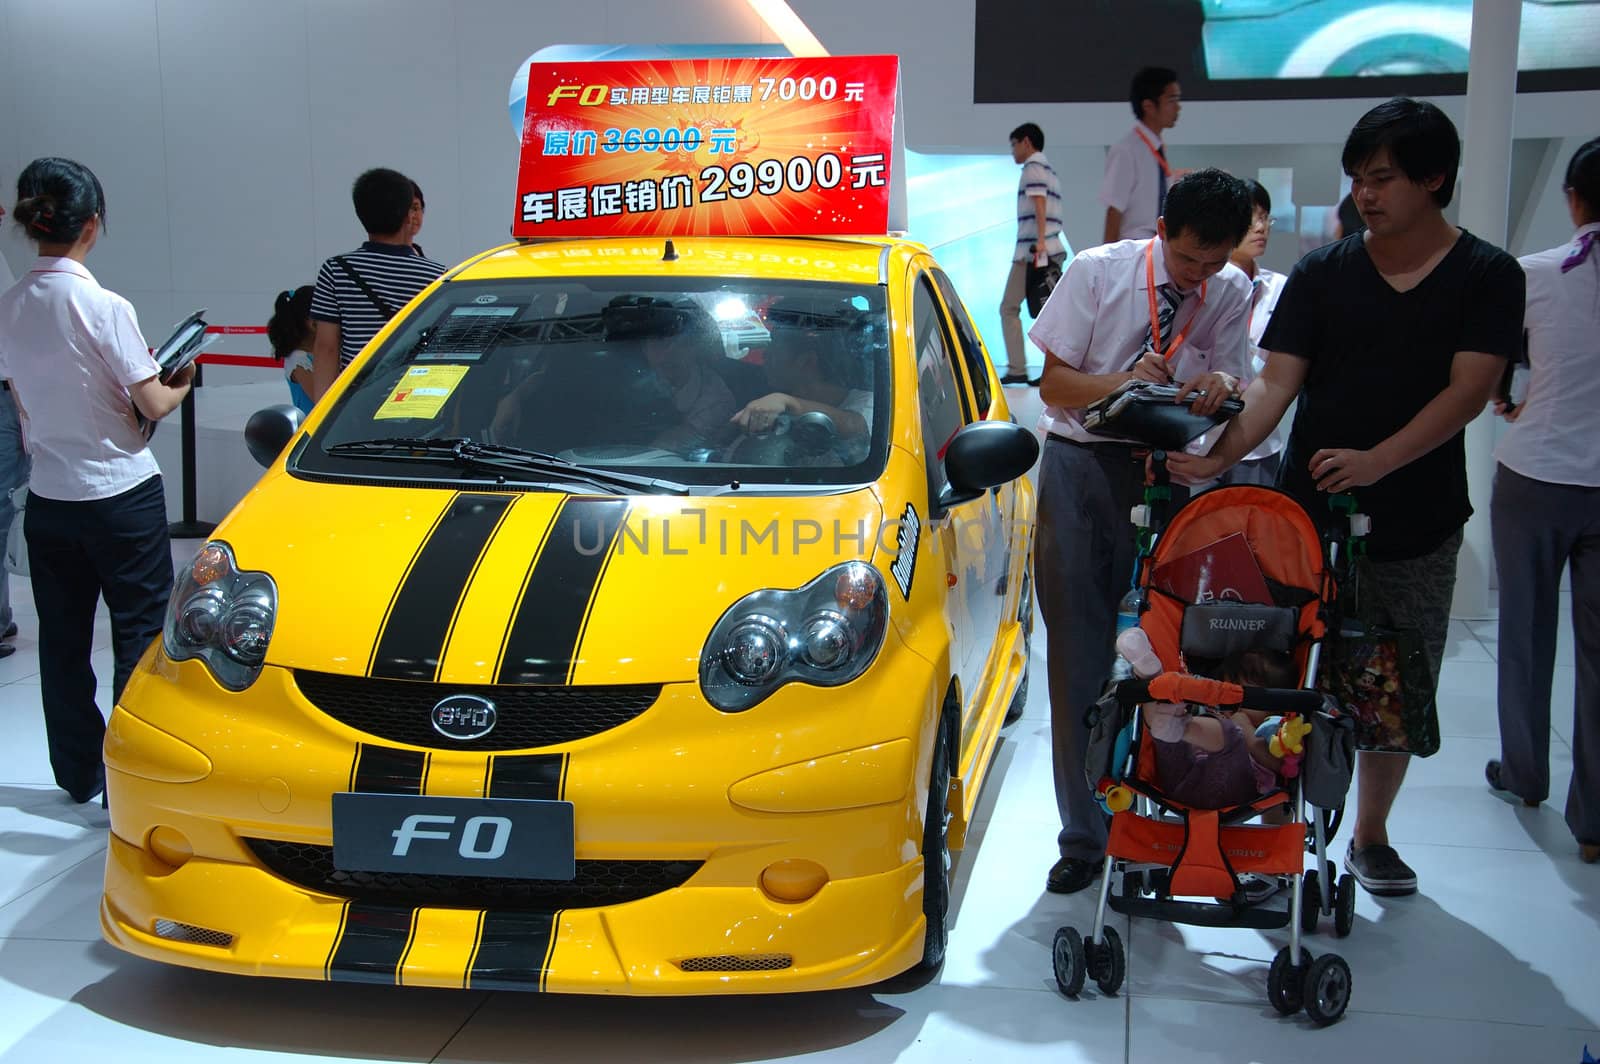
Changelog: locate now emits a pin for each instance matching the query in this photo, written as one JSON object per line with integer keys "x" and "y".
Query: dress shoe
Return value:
{"x": 7, "y": 649}
{"x": 1491, "y": 772}
{"x": 11, "y": 630}
{"x": 1016, "y": 378}
{"x": 1071, "y": 874}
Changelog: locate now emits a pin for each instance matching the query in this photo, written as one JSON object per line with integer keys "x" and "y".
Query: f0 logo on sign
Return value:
{"x": 472, "y": 845}
{"x": 464, "y": 717}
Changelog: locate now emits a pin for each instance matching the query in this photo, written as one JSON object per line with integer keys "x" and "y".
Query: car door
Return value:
{"x": 956, "y": 533}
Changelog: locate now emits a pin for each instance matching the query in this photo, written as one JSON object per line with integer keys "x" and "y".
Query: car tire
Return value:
{"x": 936, "y": 854}
{"x": 1019, "y": 700}
{"x": 1404, "y": 54}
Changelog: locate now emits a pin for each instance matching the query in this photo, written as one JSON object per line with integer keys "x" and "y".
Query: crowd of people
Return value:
{"x": 1358, "y": 374}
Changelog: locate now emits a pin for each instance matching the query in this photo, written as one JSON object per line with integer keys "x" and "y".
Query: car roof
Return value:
{"x": 853, "y": 260}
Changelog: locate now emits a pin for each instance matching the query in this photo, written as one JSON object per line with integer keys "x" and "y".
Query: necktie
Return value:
{"x": 1171, "y": 299}
{"x": 1585, "y": 245}
{"x": 1161, "y": 180}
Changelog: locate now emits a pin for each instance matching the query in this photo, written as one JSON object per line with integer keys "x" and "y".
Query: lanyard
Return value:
{"x": 1155, "y": 316}
{"x": 1162, "y": 159}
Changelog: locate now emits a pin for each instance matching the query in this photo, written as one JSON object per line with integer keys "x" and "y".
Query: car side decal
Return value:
{"x": 541, "y": 644}
{"x": 538, "y": 776}
{"x": 388, "y": 770}
{"x": 422, "y": 614}
{"x": 904, "y": 566}
{"x": 512, "y": 951}
{"x": 371, "y": 943}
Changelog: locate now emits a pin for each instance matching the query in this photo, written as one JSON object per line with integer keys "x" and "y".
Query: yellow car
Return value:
{"x": 634, "y": 616}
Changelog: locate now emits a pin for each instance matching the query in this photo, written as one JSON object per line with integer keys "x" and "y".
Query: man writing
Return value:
{"x": 1163, "y": 309}
{"x": 1394, "y": 339}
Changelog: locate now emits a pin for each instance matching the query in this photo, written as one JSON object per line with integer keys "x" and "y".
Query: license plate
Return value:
{"x": 511, "y": 838}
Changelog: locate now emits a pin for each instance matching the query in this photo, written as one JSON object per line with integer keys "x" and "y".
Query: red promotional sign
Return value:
{"x": 708, "y": 147}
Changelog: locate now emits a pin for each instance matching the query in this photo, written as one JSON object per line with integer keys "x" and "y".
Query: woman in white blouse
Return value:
{"x": 1546, "y": 516}
{"x": 96, "y": 522}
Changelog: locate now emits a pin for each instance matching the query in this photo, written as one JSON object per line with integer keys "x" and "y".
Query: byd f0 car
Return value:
{"x": 632, "y": 617}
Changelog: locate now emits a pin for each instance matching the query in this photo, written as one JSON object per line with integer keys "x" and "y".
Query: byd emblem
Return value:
{"x": 464, "y": 717}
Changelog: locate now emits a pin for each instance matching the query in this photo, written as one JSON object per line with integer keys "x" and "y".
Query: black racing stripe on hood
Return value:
{"x": 513, "y": 951}
{"x": 537, "y": 776}
{"x": 420, "y": 618}
{"x": 388, "y": 770}
{"x": 542, "y": 643}
{"x": 371, "y": 943}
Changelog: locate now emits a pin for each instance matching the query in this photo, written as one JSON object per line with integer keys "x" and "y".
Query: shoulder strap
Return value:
{"x": 378, "y": 301}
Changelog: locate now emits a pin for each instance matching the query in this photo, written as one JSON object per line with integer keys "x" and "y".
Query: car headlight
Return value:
{"x": 825, "y": 633}
{"x": 221, "y": 615}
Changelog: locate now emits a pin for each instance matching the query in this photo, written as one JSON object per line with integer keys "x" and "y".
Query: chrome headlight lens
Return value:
{"x": 825, "y": 634}
{"x": 221, "y": 615}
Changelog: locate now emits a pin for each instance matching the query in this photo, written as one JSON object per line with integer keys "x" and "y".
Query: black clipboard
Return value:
{"x": 1144, "y": 412}
{"x": 188, "y": 339}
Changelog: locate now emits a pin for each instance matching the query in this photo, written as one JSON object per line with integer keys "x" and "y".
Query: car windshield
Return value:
{"x": 711, "y": 381}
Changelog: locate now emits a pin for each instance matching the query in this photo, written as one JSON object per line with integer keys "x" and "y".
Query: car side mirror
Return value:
{"x": 984, "y": 455}
{"x": 269, "y": 431}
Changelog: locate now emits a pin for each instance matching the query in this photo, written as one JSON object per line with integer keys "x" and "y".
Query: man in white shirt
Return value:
{"x": 1137, "y": 175}
{"x": 13, "y": 474}
{"x": 1171, "y": 308}
{"x": 1038, "y": 211}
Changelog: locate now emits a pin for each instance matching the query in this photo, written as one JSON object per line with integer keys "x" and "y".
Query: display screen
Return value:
{"x": 1267, "y": 49}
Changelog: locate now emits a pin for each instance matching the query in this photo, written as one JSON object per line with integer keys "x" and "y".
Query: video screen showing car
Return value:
{"x": 1265, "y": 49}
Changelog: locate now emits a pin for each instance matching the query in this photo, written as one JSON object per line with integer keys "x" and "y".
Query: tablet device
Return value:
{"x": 185, "y": 345}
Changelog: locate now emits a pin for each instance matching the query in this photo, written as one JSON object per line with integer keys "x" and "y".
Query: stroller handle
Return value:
{"x": 1182, "y": 687}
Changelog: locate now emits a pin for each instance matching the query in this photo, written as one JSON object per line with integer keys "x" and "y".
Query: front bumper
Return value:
{"x": 722, "y": 798}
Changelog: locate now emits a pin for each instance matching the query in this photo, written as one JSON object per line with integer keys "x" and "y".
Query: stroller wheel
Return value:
{"x": 1327, "y": 989}
{"x": 1344, "y": 905}
{"x": 1070, "y": 961}
{"x": 1113, "y": 963}
{"x": 1310, "y": 902}
{"x": 1284, "y": 981}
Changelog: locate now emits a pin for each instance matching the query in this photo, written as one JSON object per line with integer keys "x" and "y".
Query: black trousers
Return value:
{"x": 78, "y": 552}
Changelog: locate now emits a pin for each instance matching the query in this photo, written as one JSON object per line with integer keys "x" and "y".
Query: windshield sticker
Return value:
{"x": 421, "y": 393}
{"x": 905, "y": 550}
{"x": 466, "y": 335}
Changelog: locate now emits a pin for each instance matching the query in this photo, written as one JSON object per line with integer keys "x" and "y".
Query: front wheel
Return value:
{"x": 1070, "y": 961}
{"x": 1327, "y": 989}
{"x": 936, "y": 854}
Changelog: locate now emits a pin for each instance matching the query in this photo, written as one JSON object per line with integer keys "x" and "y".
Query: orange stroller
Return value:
{"x": 1187, "y": 865}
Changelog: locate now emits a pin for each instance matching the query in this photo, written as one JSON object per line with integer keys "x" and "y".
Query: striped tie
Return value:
{"x": 1171, "y": 299}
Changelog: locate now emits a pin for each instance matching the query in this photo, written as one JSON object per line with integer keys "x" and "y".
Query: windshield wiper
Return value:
{"x": 461, "y": 451}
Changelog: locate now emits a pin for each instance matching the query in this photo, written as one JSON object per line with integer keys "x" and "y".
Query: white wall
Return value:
{"x": 227, "y": 132}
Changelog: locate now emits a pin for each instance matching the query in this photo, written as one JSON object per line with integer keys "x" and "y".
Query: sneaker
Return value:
{"x": 1379, "y": 869}
{"x": 1258, "y": 889}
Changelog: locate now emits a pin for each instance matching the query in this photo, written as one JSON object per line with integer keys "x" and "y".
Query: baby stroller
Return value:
{"x": 1183, "y": 864}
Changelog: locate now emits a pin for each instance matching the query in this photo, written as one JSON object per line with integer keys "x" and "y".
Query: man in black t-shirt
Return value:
{"x": 1398, "y": 336}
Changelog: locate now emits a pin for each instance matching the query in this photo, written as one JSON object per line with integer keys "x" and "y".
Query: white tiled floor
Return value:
{"x": 1490, "y": 962}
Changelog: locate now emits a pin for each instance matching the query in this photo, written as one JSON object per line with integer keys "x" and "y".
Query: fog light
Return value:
{"x": 793, "y": 880}
{"x": 170, "y": 846}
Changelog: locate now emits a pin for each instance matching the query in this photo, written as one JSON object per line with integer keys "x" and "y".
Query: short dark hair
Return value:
{"x": 1148, "y": 84}
{"x": 1033, "y": 133}
{"x": 1583, "y": 175}
{"x": 1259, "y": 196}
{"x": 1421, "y": 139}
{"x": 56, "y": 198}
{"x": 416, "y": 192}
{"x": 383, "y": 199}
{"x": 1212, "y": 204}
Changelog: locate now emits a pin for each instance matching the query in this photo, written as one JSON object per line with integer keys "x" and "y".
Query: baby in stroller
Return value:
{"x": 1212, "y": 758}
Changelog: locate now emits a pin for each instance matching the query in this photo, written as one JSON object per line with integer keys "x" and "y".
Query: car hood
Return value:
{"x": 526, "y": 587}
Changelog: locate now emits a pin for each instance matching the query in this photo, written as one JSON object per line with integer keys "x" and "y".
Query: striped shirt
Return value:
{"x": 1038, "y": 179}
{"x": 394, "y": 272}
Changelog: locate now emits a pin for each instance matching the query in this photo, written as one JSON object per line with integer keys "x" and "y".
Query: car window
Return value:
{"x": 938, "y": 386}
{"x": 977, "y": 362}
{"x": 698, "y": 380}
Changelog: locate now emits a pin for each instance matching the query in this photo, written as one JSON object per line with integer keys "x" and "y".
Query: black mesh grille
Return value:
{"x": 527, "y": 717}
{"x": 597, "y": 883}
